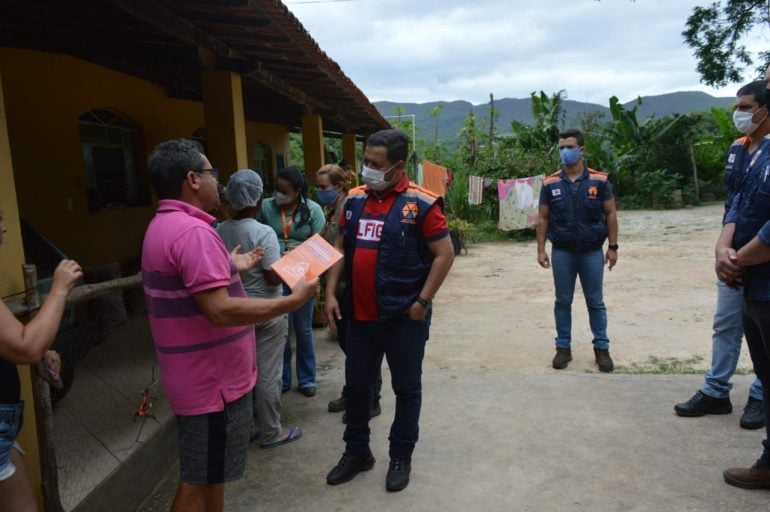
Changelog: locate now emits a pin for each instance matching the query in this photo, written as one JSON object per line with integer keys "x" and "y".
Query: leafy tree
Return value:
{"x": 716, "y": 35}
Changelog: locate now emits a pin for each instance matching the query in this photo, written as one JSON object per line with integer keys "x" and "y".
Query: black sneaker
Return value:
{"x": 376, "y": 411}
{"x": 337, "y": 405}
{"x": 348, "y": 467}
{"x": 700, "y": 405}
{"x": 562, "y": 358}
{"x": 753, "y": 414}
{"x": 603, "y": 360}
{"x": 398, "y": 474}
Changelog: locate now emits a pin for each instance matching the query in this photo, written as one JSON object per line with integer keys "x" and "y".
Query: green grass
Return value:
{"x": 665, "y": 365}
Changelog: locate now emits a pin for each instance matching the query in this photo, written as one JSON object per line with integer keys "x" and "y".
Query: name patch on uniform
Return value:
{"x": 555, "y": 192}
{"x": 370, "y": 230}
{"x": 731, "y": 158}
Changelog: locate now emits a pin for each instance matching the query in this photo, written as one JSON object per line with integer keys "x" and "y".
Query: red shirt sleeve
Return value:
{"x": 434, "y": 225}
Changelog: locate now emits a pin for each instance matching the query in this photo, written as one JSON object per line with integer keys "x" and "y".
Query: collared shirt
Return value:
{"x": 434, "y": 227}
{"x": 202, "y": 366}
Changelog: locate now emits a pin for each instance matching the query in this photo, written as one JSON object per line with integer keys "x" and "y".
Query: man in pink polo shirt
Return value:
{"x": 202, "y": 323}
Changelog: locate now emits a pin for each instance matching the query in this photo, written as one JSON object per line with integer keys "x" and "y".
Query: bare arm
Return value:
{"x": 726, "y": 264}
{"x": 542, "y": 230}
{"x": 443, "y": 257}
{"x": 271, "y": 277}
{"x": 223, "y": 310}
{"x": 26, "y": 344}
{"x": 611, "y": 215}
{"x": 753, "y": 253}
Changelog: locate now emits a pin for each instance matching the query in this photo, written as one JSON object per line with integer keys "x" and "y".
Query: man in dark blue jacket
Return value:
{"x": 577, "y": 214}
{"x": 743, "y": 256}
{"x": 397, "y": 251}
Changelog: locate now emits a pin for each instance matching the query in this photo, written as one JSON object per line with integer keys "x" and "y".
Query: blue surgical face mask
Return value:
{"x": 570, "y": 156}
{"x": 327, "y": 197}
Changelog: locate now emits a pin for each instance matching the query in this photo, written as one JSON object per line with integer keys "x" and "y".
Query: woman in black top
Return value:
{"x": 25, "y": 344}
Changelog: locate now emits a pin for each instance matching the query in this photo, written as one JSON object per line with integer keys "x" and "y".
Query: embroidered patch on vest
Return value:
{"x": 409, "y": 213}
{"x": 555, "y": 192}
{"x": 593, "y": 192}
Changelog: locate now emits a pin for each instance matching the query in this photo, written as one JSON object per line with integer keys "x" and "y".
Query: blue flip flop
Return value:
{"x": 292, "y": 434}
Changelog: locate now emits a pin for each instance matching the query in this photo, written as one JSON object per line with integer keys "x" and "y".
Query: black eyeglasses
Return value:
{"x": 214, "y": 171}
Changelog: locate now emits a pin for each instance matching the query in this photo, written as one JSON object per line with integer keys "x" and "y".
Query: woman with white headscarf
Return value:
{"x": 244, "y": 192}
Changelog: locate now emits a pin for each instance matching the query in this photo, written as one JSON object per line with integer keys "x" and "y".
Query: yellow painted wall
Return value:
{"x": 45, "y": 95}
{"x": 11, "y": 282}
{"x": 274, "y": 136}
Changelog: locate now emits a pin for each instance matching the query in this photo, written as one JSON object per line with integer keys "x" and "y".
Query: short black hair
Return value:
{"x": 169, "y": 164}
{"x": 572, "y": 132}
{"x": 756, "y": 89}
{"x": 395, "y": 141}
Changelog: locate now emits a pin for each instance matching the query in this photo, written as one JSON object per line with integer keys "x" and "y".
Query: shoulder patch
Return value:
{"x": 423, "y": 193}
{"x": 597, "y": 175}
{"x": 357, "y": 191}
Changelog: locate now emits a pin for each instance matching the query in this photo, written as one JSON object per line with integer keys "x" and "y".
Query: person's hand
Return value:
{"x": 611, "y": 258}
{"x": 417, "y": 311}
{"x": 332, "y": 311}
{"x": 246, "y": 260}
{"x": 66, "y": 275}
{"x": 307, "y": 289}
{"x": 49, "y": 369}
{"x": 543, "y": 260}
{"x": 726, "y": 266}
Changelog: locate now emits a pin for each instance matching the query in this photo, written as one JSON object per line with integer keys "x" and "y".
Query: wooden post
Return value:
{"x": 695, "y": 174}
{"x": 43, "y": 407}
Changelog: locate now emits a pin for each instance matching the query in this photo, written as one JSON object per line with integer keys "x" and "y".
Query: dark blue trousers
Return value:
{"x": 402, "y": 341}
{"x": 756, "y": 327}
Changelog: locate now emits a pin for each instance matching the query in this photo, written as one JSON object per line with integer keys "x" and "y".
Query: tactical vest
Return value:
{"x": 576, "y": 223}
{"x": 403, "y": 257}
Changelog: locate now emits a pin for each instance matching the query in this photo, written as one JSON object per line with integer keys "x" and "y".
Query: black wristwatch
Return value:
{"x": 613, "y": 247}
{"x": 422, "y": 302}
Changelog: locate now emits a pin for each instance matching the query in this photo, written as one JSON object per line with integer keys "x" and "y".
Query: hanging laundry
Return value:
{"x": 519, "y": 200}
{"x": 435, "y": 177}
{"x": 475, "y": 189}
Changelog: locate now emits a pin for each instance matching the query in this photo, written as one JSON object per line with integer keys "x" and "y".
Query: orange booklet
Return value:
{"x": 310, "y": 259}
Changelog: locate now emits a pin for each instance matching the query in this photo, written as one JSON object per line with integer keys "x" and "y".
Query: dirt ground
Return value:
{"x": 660, "y": 301}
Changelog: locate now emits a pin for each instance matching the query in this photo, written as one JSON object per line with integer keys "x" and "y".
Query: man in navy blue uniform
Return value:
{"x": 577, "y": 214}
{"x": 395, "y": 239}
{"x": 743, "y": 257}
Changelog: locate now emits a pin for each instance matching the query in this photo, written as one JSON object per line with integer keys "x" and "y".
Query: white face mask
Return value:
{"x": 743, "y": 122}
{"x": 282, "y": 199}
{"x": 375, "y": 180}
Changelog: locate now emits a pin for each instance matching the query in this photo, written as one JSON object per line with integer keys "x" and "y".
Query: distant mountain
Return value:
{"x": 452, "y": 114}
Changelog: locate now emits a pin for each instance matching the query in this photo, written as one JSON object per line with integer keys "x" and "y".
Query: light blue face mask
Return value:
{"x": 327, "y": 197}
{"x": 570, "y": 156}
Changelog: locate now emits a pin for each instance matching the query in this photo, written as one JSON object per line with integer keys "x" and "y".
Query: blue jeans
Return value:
{"x": 402, "y": 341}
{"x": 726, "y": 345}
{"x": 11, "y": 418}
{"x": 589, "y": 265}
{"x": 301, "y": 322}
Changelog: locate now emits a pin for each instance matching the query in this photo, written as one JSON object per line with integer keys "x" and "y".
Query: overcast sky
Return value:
{"x": 430, "y": 50}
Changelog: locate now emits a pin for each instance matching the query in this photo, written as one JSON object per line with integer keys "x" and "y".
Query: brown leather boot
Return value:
{"x": 562, "y": 358}
{"x": 755, "y": 477}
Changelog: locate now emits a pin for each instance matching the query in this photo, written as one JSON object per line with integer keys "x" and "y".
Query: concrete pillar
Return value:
{"x": 12, "y": 281}
{"x": 225, "y": 124}
{"x": 312, "y": 144}
{"x": 349, "y": 153}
